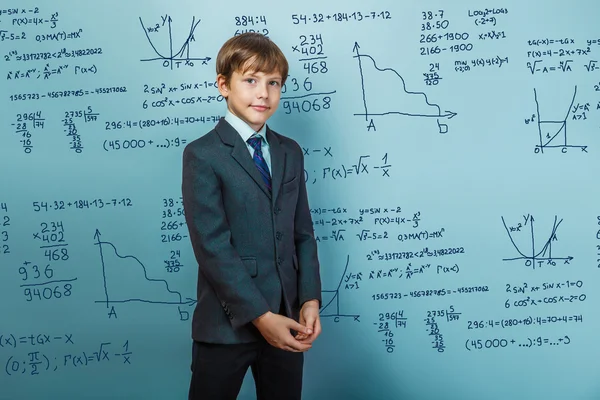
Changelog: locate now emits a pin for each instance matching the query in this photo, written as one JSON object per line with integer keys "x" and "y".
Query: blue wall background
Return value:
{"x": 452, "y": 164}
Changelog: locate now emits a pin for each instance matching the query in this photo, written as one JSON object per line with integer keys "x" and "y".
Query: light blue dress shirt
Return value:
{"x": 246, "y": 132}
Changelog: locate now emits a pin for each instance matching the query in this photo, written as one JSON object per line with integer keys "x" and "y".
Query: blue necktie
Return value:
{"x": 256, "y": 141}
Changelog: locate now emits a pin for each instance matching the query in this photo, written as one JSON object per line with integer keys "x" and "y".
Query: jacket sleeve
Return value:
{"x": 309, "y": 282}
{"x": 210, "y": 235}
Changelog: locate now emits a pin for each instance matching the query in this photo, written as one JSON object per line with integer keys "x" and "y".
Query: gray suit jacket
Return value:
{"x": 254, "y": 249}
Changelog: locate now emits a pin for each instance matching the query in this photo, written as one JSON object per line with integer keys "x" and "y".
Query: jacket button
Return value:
{"x": 279, "y": 260}
{"x": 279, "y": 235}
{"x": 277, "y": 210}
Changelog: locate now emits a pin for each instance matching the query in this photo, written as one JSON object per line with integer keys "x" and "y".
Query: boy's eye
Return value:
{"x": 250, "y": 80}
{"x": 274, "y": 83}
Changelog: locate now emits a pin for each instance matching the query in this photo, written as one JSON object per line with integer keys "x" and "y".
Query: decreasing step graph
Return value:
{"x": 116, "y": 266}
{"x": 535, "y": 257}
{"x": 430, "y": 110}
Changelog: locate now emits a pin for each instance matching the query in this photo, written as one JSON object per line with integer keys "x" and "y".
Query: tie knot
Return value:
{"x": 255, "y": 141}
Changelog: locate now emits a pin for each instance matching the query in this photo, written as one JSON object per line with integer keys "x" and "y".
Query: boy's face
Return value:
{"x": 252, "y": 96}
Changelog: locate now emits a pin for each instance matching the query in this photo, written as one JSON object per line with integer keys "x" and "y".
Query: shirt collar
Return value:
{"x": 243, "y": 128}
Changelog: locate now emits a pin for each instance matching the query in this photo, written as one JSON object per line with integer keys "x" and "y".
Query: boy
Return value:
{"x": 250, "y": 226}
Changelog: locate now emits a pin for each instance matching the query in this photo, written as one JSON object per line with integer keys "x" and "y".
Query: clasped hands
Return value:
{"x": 276, "y": 328}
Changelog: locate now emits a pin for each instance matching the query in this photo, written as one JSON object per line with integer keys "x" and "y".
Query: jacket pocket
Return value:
{"x": 250, "y": 264}
{"x": 289, "y": 185}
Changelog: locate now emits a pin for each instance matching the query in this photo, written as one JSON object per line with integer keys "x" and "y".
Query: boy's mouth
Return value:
{"x": 260, "y": 108}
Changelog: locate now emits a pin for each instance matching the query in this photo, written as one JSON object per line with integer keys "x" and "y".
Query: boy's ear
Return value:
{"x": 222, "y": 85}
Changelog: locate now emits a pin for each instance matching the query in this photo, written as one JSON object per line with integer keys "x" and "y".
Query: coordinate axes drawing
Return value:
{"x": 331, "y": 301}
{"x": 173, "y": 59}
{"x": 429, "y": 110}
{"x": 534, "y": 257}
{"x": 126, "y": 280}
{"x": 554, "y": 133}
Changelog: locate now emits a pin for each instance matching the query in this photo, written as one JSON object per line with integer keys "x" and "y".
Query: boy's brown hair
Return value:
{"x": 253, "y": 52}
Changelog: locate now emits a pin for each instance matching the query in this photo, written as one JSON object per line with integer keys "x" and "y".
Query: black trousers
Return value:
{"x": 218, "y": 371}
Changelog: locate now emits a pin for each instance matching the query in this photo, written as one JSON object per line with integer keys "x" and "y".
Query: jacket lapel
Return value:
{"x": 240, "y": 153}
{"x": 277, "y": 161}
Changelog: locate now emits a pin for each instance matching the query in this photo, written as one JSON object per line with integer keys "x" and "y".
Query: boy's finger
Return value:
{"x": 300, "y": 328}
{"x": 310, "y": 323}
{"x": 299, "y": 346}
{"x": 307, "y": 340}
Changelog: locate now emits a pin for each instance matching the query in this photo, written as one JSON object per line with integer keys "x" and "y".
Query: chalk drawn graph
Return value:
{"x": 331, "y": 301}
{"x": 553, "y": 133}
{"x": 425, "y": 108}
{"x": 126, "y": 280}
{"x": 173, "y": 59}
{"x": 530, "y": 251}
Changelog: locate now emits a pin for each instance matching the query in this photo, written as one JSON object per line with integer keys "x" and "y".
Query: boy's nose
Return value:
{"x": 262, "y": 92}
